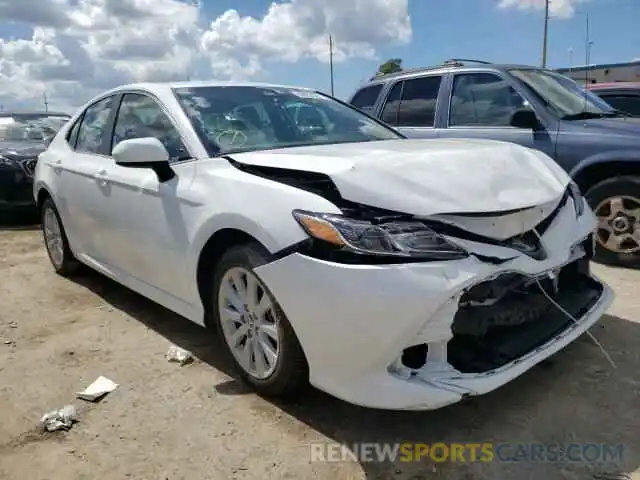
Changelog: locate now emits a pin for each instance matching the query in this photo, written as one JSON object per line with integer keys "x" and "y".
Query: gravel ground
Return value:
{"x": 196, "y": 422}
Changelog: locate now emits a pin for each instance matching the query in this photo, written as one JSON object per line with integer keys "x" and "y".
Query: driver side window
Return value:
{"x": 482, "y": 100}
{"x": 140, "y": 116}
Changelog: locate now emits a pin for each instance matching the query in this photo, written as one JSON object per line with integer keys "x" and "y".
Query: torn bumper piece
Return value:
{"x": 355, "y": 323}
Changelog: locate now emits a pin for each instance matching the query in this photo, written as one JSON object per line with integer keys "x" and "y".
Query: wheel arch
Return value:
{"x": 593, "y": 170}
{"x": 42, "y": 194}
{"x": 224, "y": 233}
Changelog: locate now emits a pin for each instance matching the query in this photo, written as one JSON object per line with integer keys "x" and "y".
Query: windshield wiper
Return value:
{"x": 587, "y": 115}
{"x": 618, "y": 113}
{"x": 583, "y": 116}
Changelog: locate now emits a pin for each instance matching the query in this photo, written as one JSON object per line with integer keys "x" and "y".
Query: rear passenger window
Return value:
{"x": 92, "y": 128}
{"x": 392, "y": 105}
{"x": 366, "y": 98}
{"x": 418, "y": 105}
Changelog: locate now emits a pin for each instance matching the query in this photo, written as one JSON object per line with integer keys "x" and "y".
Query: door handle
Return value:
{"x": 101, "y": 178}
{"x": 57, "y": 165}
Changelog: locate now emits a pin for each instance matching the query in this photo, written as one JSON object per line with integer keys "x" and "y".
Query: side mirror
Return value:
{"x": 146, "y": 152}
{"x": 524, "y": 118}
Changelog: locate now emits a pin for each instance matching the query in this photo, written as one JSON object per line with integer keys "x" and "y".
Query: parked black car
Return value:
{"x": 23, "y": 136}
{"x": 598, "y": 145}
{"x": 621, "y": 95}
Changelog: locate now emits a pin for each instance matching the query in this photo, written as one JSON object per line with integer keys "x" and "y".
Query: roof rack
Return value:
{"x": 452, "y": 62}
{"x": 462, "y": 61}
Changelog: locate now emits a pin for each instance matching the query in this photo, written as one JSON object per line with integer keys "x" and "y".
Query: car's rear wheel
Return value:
{"x": 258, "y": 336}
{"x": 55, "y": 240}
{"x": 616, "y": 203}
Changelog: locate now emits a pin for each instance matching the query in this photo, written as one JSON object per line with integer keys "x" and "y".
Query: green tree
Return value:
{"x": 390, "y": 66}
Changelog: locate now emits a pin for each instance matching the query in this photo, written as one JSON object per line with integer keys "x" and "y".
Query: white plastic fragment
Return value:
{"x": 61, "y": 419}
{"x": 97, "y": 389}
{"x": 178, "y": 355}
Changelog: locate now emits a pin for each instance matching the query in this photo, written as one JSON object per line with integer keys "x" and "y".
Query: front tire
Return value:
{"x": 616, "y": 203}
{"x": 253, "y": 328}
{"x": 55, "y": 240}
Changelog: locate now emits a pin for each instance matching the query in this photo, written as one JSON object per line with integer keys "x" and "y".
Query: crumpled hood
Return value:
{"x": 426, "y": 177}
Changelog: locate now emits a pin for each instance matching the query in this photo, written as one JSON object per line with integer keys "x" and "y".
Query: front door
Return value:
{"x": 143, "y": 225}
{"x": 481, "y": 105}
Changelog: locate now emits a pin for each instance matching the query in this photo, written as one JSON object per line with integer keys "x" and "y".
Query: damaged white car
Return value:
{"x": 322, "y": 245}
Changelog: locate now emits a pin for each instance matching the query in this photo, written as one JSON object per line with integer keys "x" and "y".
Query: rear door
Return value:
{"x": 481, "y": 105}
{"x": 411, "y": 106}
{"x": 81, "y": 178}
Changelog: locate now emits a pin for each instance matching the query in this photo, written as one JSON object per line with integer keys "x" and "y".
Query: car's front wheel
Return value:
{"x": 616, "y": 203}
{"x": 254, "y": 329}
{"x": 55, "y": 240}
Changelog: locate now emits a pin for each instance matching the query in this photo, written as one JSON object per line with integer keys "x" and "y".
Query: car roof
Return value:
{"x": 28, "y": 113}
{"x": 163, "y": 88}
{"x": 613, "y": 85}
{"x": 456, "y": 65}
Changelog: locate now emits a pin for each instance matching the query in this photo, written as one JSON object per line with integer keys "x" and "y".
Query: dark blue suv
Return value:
{"x": 598, "y": 145}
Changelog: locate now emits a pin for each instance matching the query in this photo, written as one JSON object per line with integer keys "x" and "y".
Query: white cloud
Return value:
{"x": 558, "y": 8}
{"x": 80, "y": 47}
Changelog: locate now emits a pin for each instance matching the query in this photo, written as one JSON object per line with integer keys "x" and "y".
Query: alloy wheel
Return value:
{"x": 619, "y": 224}
{"x": 249, "y": 322}
{"x": 53, "y": 236}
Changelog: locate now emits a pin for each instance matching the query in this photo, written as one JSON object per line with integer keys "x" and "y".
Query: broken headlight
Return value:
{"x": 395, "y": 238}
{"x": 578, "y": 199}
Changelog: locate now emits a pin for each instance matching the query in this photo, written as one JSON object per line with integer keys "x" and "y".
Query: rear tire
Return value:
{"x": 253, "y": 328}
{"x": 616, "y": 203}
{"x": 55, "y": 241}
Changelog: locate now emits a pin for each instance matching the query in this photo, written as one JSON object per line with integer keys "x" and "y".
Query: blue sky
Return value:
{"x": 74, "y": 49}
{"x": 474, "y": 29}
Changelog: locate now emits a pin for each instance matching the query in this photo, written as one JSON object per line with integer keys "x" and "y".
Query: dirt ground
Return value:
{"x": 197, "y": 422}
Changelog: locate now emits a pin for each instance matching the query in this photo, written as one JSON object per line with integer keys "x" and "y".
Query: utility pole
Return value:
{"x": 44, "y": 101}
{"x": 331, "y": 61}
{"x": 587, "y": 52}
{"x": 546, "y": 32}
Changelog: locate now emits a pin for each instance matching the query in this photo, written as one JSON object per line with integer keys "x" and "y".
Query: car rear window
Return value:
{"x": 366, "y": 98}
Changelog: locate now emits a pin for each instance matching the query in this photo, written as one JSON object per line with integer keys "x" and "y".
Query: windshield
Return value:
{"x": 247, "y": 118}
{"x": 563, "y": 95}
{"x": 37, "y": 130}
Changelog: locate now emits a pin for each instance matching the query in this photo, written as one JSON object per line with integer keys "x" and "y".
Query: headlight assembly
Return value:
{"x": 402, "y": 239}
{"x": 578, "y": 199}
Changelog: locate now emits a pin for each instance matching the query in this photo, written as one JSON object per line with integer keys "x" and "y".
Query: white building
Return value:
{"x": 603, "y": 73}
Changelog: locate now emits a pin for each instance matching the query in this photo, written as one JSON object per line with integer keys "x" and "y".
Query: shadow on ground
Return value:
{"x": 10, "y": 221}
{"x": 576, "y": 397}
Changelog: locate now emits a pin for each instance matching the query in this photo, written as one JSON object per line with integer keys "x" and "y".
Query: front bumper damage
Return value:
{"x": 424, "y": 335}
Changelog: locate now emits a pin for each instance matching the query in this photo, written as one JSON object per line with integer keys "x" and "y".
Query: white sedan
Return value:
{"x": 325, "y": 248}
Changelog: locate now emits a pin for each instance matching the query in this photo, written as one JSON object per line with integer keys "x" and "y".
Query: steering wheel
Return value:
{"x": 234, "y": 135}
